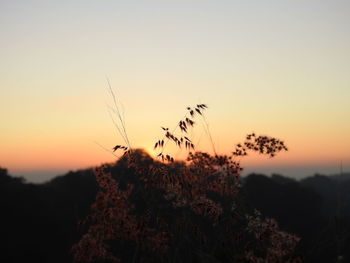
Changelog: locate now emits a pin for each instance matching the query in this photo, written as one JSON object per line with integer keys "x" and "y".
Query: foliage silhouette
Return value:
{"x": 181, "y": 211}
{"x": 38, "y": 221}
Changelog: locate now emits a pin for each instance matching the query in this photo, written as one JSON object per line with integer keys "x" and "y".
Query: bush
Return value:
{"x": 169, "y": 211}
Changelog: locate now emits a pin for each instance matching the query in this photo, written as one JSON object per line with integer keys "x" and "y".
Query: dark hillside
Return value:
{"x": 39, "y": 221}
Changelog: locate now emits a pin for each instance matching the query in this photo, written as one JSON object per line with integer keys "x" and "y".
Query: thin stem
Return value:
{"x": 107, "y": 150}
{"x": 208, "y": 133}
{"x": 119, "y": 115}
{"x": 172, "y": 132}
{"x": 115, "y": 123}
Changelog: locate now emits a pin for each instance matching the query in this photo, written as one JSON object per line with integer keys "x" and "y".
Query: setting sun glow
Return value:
{"x": 280, "y": 69}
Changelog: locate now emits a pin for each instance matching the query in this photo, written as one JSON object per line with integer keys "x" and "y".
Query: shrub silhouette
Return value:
{"x": 170, "y": 211}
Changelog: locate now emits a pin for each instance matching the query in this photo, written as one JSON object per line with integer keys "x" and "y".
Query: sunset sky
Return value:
{"x": 280, "y": 68}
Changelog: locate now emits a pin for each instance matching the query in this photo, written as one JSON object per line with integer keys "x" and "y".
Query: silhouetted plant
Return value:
{"x": 171, "y": 211}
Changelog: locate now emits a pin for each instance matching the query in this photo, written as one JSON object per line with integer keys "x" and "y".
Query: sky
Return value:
{"x": 275, "y": 67}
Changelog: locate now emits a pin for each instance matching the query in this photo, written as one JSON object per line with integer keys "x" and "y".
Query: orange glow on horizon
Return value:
{"x": 277, "y": 73}
{"x": 73, "y": 156}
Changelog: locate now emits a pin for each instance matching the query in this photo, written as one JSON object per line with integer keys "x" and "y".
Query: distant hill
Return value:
{"x": 38, "y": 222}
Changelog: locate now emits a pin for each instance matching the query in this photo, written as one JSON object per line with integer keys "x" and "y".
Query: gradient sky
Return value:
{"x": 280, "y": 68}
